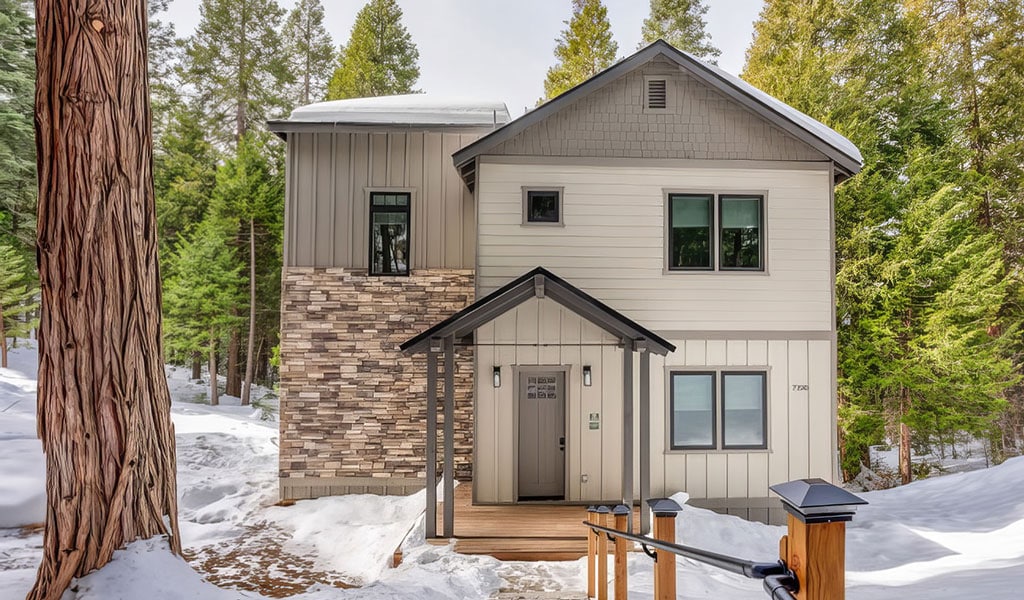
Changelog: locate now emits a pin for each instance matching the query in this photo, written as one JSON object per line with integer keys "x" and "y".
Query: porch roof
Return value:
{"x": 540, "y": 283}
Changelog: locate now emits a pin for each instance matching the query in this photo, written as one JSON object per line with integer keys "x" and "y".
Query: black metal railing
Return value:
{"x": 779, "y": 581}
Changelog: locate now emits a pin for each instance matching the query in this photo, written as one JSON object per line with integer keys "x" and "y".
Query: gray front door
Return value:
{"x": 541, "y": 435}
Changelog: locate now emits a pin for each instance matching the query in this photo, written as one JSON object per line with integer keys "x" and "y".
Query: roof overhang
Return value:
{"x": 540, "y": 283}
{"x": 817, "y": 135}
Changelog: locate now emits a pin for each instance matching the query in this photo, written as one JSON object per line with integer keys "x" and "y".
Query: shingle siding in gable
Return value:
{"x": 700, "y": 123}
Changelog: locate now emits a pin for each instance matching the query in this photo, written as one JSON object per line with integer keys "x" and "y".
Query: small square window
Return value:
{"x": 542, "y": 206}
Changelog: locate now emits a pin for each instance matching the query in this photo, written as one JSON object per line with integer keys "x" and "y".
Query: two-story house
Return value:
{"x": 624, "y": 293}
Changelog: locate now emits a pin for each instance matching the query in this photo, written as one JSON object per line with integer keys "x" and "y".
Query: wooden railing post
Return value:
{"x": 591, "y": 551}
{"x": 665, "y": 511}
{"x": 602, "y": 554}
{"x": 814, "y": 547}
{"x": 622, "y": 516}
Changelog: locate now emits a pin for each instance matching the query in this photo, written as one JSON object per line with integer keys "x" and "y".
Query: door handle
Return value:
{"x": 561, "y": 443}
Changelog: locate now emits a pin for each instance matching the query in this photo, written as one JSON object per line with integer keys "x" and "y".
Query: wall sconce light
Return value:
{"x": 497, "y": 376}
{"x": 586, "y": 375}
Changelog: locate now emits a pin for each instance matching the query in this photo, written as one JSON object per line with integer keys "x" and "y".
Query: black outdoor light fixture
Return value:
{"x": 497, "y": 376}
{"x": 817, "y": 501}
{"x": 586, "y": 375}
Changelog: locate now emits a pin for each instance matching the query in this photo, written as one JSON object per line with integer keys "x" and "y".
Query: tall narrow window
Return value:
{"x": 743, "y": 410}
{"x": 740, "y": 232}
{"x": 690, "y": 231}
{"x": 693, "y": 411}
{"x": 389, "y": 233}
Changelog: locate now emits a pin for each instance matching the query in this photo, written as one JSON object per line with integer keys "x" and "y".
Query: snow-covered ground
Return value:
{"x": 954, "y": 536}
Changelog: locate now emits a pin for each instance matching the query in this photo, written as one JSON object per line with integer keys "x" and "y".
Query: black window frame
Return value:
{"x": 407, "y": 211}
{"x": 715, "y": 226}
{"x": 764, "y": 410}
{"x": 760, "y": 232}
{"x": 712, "y": 241}
{"x": 718, "y": 433}
{"x": 672, "y": 411}
{"x": 530, "y": 192}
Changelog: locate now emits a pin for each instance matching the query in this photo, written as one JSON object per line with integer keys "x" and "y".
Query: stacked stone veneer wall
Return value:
{"x": 353, "y": 407}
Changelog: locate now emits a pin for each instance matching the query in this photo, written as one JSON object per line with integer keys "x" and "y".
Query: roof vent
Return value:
{"x": 656, "y": 93}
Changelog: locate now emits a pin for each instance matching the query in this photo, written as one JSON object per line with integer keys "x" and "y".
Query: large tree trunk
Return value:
{"x": 906, "y": 476}
{"x": 197, "y": 365}
{"x": 250, "y": 357}
{"x": 104, "y": 407}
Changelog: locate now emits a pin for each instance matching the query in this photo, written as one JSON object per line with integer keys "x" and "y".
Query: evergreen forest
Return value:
{"x": 929, "y": 235}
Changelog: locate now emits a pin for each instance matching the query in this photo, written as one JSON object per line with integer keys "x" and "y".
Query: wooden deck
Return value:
{"x": 518, "y": 531}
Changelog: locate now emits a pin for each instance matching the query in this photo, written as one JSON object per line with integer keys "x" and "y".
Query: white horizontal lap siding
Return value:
{"x": 613, "y": 244}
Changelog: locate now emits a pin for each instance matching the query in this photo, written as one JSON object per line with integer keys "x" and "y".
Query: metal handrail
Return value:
{"x": 779, "y": 581}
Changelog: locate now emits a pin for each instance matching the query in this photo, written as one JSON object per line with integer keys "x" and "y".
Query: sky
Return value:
{"x": 502, "y": 49}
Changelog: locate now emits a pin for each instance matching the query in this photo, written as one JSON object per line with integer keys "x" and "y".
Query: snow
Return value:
{"x": 946, "y": 537}
{"x": 407, "y": 109}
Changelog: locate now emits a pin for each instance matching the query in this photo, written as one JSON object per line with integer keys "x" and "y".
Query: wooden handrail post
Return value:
{"x": 591, "y": 551}
{"x": 602, "y": 554}
{"x": 622, "y": 516}
{"x": 665, "y": 511}
{"x": 814, "y": 546}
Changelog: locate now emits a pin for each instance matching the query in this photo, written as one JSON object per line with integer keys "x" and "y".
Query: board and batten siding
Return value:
{"x": 612, "y": 244}
{"x": 330, "y": 175}
{"x": 800, "y": 394}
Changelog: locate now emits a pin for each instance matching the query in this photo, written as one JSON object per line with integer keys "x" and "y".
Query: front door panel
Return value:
{"x": 541, "y": 435}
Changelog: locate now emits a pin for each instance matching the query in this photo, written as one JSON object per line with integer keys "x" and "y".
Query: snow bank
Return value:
{"x": 355, "y": 534}
{"x": 23, "y": 484}
{"x": 146, "y": 569}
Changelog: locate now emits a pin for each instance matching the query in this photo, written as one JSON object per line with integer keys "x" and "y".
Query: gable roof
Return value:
{"x": 540, "y": 283}
{"x": 823, "y": 138}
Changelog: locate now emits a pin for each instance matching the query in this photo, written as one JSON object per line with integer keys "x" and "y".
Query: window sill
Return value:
{"x": 741, "y": 272}
{"x": 713, "y": 451}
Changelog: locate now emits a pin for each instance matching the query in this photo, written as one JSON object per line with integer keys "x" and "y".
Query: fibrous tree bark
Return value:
{"x": 104, "y": 406}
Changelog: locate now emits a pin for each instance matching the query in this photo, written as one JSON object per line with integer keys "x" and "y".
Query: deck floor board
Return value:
{"x": 541, "y": 531}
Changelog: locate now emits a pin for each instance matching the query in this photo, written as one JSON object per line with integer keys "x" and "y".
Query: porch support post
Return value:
{"x": 449, "y": 436}
{"x": 627, "y": 425}
{"x": 645, "y": 439}
{"x": 431, "y": 515}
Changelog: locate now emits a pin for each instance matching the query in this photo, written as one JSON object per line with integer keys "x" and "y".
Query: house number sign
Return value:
{"x": 800, "y": 387}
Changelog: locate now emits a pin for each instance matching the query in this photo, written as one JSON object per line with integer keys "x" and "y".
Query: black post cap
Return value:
{"x": 603, "y": 510}
{"x": 664, "y": 507}
{"x": 621, "y": 509}
{"x": 817, "y": 501}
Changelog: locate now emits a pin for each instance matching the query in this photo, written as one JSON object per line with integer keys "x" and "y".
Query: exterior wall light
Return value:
{"x": 497, "y": 377}
{"x": 586, "y": 375}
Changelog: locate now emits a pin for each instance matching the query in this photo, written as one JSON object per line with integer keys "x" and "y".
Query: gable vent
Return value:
{"x": 656, "y": 93}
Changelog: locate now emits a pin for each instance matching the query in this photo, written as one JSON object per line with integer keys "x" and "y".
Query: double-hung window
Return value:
{"x": 718, "y": 410}
{"x": 709, "y": 232}
{"x": 389, "y": 233}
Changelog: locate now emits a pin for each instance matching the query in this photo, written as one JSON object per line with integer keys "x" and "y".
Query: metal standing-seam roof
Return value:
{"x": 402, "y": 110}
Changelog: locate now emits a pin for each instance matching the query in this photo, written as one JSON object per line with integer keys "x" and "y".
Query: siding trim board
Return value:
{"x": 659, "y": 163}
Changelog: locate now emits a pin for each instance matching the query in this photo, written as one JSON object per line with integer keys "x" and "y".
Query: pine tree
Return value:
{"x": 184, "y": 170}
{"x": 583, "y": 50}
{"x": 17, "y": 298}
{"x": 380, "y": 58}
{"x": 919, "y": 286}
{"x": 680, "y": 23}
{"x": 249, "y": 192}
{"x": 309, "y": 51}
{"x": 164, "y": 57}
{"x": 17, "y": 141}
{"x": 200, "y": 294}
{"x": 235, "y": 64}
